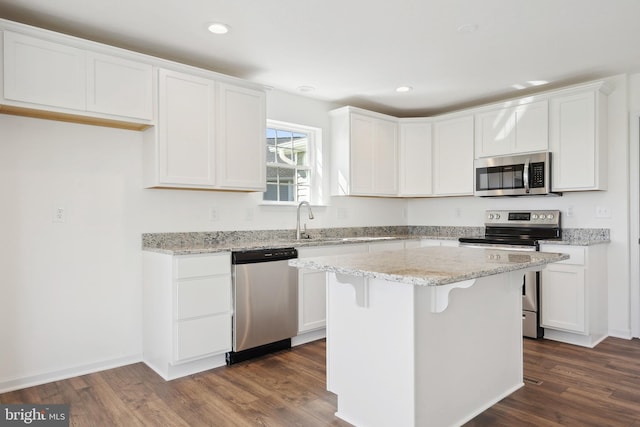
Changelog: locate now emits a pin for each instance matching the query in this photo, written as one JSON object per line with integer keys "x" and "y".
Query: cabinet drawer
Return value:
{"x": 202, "y": 337}
{"x": 201, "y": 297}
{"x": 202, "y": 265}
{"x": 576, "y": 253}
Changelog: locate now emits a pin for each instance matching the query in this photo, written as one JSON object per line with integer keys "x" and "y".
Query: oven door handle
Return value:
{"x": 525, "y": 176}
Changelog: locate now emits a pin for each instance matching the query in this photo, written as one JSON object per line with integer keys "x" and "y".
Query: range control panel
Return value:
{"x": 547, "y": 218}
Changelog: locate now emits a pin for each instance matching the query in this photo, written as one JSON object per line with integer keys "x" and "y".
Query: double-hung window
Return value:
{"x": 289, "y": 162}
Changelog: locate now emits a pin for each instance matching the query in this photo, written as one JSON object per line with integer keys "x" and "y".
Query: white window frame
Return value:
{"x": 314, "y": 153}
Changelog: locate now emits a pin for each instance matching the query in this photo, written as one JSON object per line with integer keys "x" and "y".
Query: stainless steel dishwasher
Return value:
{"x": 265, "y": 297}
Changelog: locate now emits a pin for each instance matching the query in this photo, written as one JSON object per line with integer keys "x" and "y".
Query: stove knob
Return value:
{"x": 490, "y": 216}
{"x": 550, "y": 216}
{"x": 534, "y": 216}
{"x": 497, "y": 216}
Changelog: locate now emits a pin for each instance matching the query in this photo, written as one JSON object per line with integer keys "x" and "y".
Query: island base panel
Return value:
{"x": 392, "y": 361}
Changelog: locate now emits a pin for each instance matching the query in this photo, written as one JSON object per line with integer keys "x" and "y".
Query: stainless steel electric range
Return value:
{"x": 521, "y": 230}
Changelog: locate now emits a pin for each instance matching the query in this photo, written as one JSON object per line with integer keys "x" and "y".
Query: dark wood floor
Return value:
{"x": 565, "y": 385}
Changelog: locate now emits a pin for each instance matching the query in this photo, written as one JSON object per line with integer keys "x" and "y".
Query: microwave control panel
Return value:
{"x": 537, "y": 175}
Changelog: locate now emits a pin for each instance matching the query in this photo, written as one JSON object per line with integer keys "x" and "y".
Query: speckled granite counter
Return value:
{"x": 431, "y": 266}
{"x": 221, "y": 241}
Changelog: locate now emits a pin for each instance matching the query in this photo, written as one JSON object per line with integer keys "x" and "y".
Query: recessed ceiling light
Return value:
{"x": 467, "y": 28}
{"x": 306, "y": 89}
{"x": 218, "y": 28}
{"x": 403, "y": 89}
{"x": 537, "y": 82}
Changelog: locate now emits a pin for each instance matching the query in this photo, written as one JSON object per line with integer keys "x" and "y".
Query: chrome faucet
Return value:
{"x": 298, "y": 221}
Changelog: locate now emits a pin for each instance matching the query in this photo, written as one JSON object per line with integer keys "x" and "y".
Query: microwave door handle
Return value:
{"x": 525, "y": 176}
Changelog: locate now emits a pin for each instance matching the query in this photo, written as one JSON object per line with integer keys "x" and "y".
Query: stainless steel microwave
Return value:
{"x": 520, "y": 175}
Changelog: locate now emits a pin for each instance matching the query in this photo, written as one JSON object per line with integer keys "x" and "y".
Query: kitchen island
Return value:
{"x": 424, "y": 337}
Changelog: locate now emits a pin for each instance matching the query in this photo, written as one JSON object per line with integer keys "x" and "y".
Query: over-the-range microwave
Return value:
{"x": 520, "y": 175}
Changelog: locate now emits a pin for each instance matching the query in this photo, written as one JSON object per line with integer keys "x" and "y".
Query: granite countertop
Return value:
{"x": 429, "y": 266}
{"x": 225, "y": 241}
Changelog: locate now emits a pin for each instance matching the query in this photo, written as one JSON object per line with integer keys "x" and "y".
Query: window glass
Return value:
{"x": 288, "y": 163}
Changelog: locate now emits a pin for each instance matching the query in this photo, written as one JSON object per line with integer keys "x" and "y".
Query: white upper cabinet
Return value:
{"x": 241, "y": 138}
{"x": 44, "y": 73}
{"x": 186, "y": 131}
{"x": 210, "y": 135}
{"x": 43, "y": 78}
{"x": 119, "y": 86}
{"x": 415, "y": 157}
{"x": 365, "y": 153}
{"x": 578, "y": 138}
{"x": 515, "y": 127}
{"x": 453, "y": 155}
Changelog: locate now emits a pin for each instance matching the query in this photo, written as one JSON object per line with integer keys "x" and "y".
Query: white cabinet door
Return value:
{"x": 202, "y": 306}
{"x": 563, "y": 297}
{"x": 45, "y": 73}
{"x": 312, "y": 310}
{"x": 385, "y": 177}
{"x": 241, "y": 138}
{"x": 362, "y": 154}
{"x": 186, "y": 137}
{"x": 453, "y": 156}
{"x": 365, "y": 153}
{"x": 373, "y": 154}
{"x": 494, "y": 132}
{"x": 578, "y": 140}
{"x": 574, "y": 295}
{"x": 512, "y": 130}
{"x": 415, "y": 158}
{"x": 119, "y": 87}
{"x": 195, "y": 338}
{"x": 532, "y": 127}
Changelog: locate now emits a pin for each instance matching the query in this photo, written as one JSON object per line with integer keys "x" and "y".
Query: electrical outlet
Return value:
{"x": 603, "y": 212}
{"x": 249, "y": 215}
{"x": 213, "y": 214}
{"x": 458, "y": 212}
{"x": 59, "y": 214}
{"x": 570, "y": 212}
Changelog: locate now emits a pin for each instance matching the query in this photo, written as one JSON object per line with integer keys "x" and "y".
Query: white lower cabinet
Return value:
{"x": 312, "y": 298}
{"x": 186, "y": 312}
{"x": 574, "y": 295}
{"x": 312, "y": 310}
{"x": 435, "y": 242}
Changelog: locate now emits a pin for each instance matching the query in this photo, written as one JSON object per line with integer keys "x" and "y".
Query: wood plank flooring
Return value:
{"x": 565, "y": 386}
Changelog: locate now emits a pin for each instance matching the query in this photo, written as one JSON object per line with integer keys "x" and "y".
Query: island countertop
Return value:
{"x": 429, "y": 266}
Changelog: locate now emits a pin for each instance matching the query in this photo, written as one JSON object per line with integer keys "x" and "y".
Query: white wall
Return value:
{"x": 70, "y": 293}
{"x": 470, "y": 210}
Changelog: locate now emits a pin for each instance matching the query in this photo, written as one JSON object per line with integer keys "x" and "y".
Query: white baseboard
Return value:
{"x": 34, "y": 380}
{"x": 308, "y": 337}
{"x": 624, "y": 333}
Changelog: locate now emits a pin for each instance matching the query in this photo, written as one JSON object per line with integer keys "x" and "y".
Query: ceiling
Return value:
{"x": 453, "y": 53}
